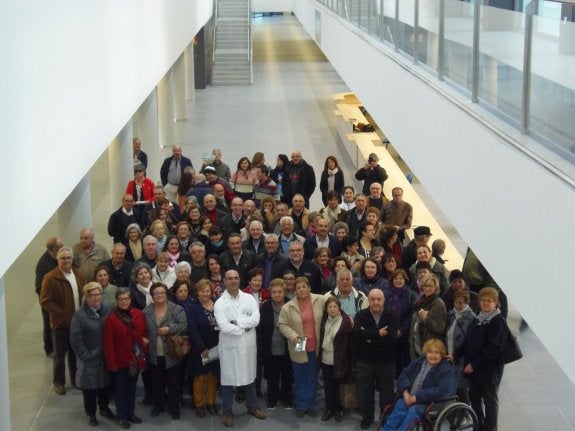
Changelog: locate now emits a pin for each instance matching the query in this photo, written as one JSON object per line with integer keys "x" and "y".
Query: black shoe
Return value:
{"x": 338, "y": 416}
{"x": 92, "y": 421}
{"x": 175, "y": 414}
{"x": 212, "y": 409}
{"x": 259, "y": 394}
{"x": 365, "y": 423}
{"x": 299, "y": 413}
{"x": 146, "y": 401}
{"x": 135, "y": 419}
{"x": 200, "y": 412}
{"x": 327, "y": 415}
{"x": 288, "y": 405}
{"x": 272, "y": 405}
{"x": 124, "y": 424}
{"x": 240, "y": 397}
{"x": 107, "y": 413}
{"x": 156, "y": 412}
{"x": 312, "y": 413}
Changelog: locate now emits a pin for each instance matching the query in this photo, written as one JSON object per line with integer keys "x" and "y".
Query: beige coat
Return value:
{"x": 291, "y": 326}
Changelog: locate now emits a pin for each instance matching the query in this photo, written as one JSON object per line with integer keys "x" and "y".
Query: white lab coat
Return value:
{"x": 237, "y": 346}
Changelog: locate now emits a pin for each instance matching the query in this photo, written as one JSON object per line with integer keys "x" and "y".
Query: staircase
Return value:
{"x": 232, "y": 53}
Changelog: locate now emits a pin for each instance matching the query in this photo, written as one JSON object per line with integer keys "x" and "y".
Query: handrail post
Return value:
{"x": 441, "y": 42}
{"x": 416, "y": 33}
{"x": 396, "y": 29}
{"x": 530, "y": 11}
{"x": 475, "y": 53}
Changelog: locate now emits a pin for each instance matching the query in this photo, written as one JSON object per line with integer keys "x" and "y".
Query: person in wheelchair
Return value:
{"x": 425, "y": 380}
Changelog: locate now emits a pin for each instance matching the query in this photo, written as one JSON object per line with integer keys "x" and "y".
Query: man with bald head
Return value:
{"x": 120, "y": 269}
{"x": 138, "y": 153}
{"x": 374, "y": 333}
{"x": 172, "y": 170}
{"x": 88, "y": 254}
{"x": 123, "y": 217}
{"x": 236, "y": 220}
{"x": 298, "y": 178}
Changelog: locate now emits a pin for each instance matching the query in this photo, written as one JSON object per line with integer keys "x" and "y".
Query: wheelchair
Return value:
{"x": 444, "y": 415}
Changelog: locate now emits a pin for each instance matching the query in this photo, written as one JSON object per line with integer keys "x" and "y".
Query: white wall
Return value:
{"x": 515, "y": 214}
{"x": 72, "y": 74}
{"x": 272, "y": 5}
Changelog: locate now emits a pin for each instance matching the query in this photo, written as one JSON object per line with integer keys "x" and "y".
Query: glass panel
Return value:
{"x": 372, "y": 21}
{"x": 501, "y": 60}
{"x": 340, "y": 7}
{"x": 406, "y": 35}
{"x": 553, "y": 82}
{"x": 428, "y": 32}
{"x": 458, "y": 42}
{"x": 389, "y": 21}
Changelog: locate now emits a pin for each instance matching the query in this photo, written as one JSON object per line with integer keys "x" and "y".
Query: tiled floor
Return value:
{"x": 288, "y": 107}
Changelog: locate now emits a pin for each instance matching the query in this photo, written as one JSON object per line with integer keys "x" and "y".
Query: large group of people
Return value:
{"x": 267, "y": 288}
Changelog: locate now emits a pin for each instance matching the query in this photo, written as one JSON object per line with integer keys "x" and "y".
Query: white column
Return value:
{"x": 121, "y": 165}
{"x": 166, "y": 132}
{"x": 145, "y": 127}
{"x": 75, "y": 212}
{"x": 178, "y": 89}
{"x": 4, "y": 379}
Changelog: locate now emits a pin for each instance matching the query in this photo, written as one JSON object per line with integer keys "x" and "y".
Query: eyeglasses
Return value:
{"x": 94, "y": 295}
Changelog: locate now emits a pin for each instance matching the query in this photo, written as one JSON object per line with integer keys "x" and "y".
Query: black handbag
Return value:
{"x": 512, "y": 352}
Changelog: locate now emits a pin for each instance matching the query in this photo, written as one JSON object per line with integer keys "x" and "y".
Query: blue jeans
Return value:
{"x": 305, "y": 383}
{"x": 402, "y": 417}
{"x": 124, "y": 393}
{"x": 227, "y": 393}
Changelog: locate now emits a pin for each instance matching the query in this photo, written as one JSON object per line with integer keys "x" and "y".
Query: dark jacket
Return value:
{"x": 310, "y": 245}
{"x": 439, "y": 383}
{"x": 364, "y": 285}
{"x": 248, "y": 244}
{"x": 57, "y": 298}
{"x": 369, "y": 176}
{"x": 119, "y": 222}
{"x": 473, "y": 300}
{"x": 199, "y": 191}
{"x": 248, "y": 260}
{"x": 184, "y": 162}
{"x": 86, "y": 333}
{"x": 368, "y": 346}
{"x": 265, "y": 331}
{"x": 342, "y": 346}
{"x": 203, "y": 335}
{"x": 353, "y": 223}
{"x": 482, "y": 349}
{"x": 45, "y": 264}
{"x": 407, "y": 298}
{"x": 299, "y": 178}
{"x": 338, "y": 186}
{"x": 432, "y": 327}
{"x": 229, "y": 226}
{"x": 307, "y": 269}
{"x": 119, "y": 277}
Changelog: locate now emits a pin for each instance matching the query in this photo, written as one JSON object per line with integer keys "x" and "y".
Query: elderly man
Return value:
{"x": 437, "y": 268}
{"x": 357, "y": 216}
{"x": 376, "y": 198}
{"x": 222, "y": 170}
{"x": 201, "y": 189}
{"x": 421, "y": 236}
{"x": 350, "y": 298}
{"x": 120, "y": 269}
{"x": 302, "y": 267}
{"x": 288, "y": 235}
{"x": 199, "y": 264}
{"x": 138, "y": 153}
{"x": 282, "y": 210}
{"x": 322, "y": 238}
{"x": 399, "y": 213}
{"x": 122, "y": 218}
{"x": 299, "y": 213}
{"x": 374, "y": 333}
{"x": 219, "y": 192}
{"x": 299, "y": 177}
{"x": 61, "y": 297}
{"x": 234, "y": 221}
{"x": 149, "y": 251}
{"x": 265, "y": 186}
{"x": 249, "y": 208}
{"x": 47, "y": 263}
{"x": 371, "y": 173}
{"x": 88, "y": 254}
{"x": 212, "y": 179}
{"x": 210, "y": 210}
{"x": 255, "y": 241}
{"x": 237, "y": 258}
{"x": 172, "y": 170}
{"x": 237, "y": 315}
{"x": 159, "y": 196}
{"x": 271, "y": 259}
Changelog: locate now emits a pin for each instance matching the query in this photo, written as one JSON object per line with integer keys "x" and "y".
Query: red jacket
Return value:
{"x": 264, "y": 294}
{"x": 117, "y": 339}
{"x": 147, "y": 189}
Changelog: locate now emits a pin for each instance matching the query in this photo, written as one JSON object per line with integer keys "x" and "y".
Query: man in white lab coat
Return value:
{"x": 237, "y": 314}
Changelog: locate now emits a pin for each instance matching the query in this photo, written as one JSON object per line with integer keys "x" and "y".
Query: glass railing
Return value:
{"x": 519, "y": 65}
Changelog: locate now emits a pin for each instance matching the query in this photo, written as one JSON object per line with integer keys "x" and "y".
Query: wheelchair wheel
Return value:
{"x": 457, "y": 416}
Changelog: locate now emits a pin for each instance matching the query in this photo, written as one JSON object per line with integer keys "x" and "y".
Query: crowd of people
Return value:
{"x": 267, "y": 288}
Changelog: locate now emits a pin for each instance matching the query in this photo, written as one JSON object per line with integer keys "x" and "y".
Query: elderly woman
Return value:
{"x": 163, "y": 272}
{"x": 158, "y": 230}
{"x": 350, "y": 246}
{"x": 425, "y": 380}
{"x": 86, "y": 330}
{"x": 335, "y": 355}
{"x": 272, "y": 348}
{"x": 458, "y": 284}
{"x": 102, "y": 277}
{"x": 289, "y": 278}
{"x": 429, "y": 317}
{"x": 486, "y": 338}
{"x": 458, "y": 320}
{"x": 400, "y": 303}
{"x": 184, "y": 235}
{"x": 340, "y": 230}
{"x": 183, "y": 272}
{"x": 424, "y": 255}
{"x": 300, "y": 321}
{"x": 322, "y": 259}
{"x": 124, "y": 346}
{"x": 164, "y": 318}
{"x": 268, "y": 212}
{"x": 370, "y": 277}
{"x": 204, "y": 336}
{"x": 133, "y": 242}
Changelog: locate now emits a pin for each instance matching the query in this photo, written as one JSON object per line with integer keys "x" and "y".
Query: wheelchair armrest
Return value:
{"x": 433, "y": 409}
